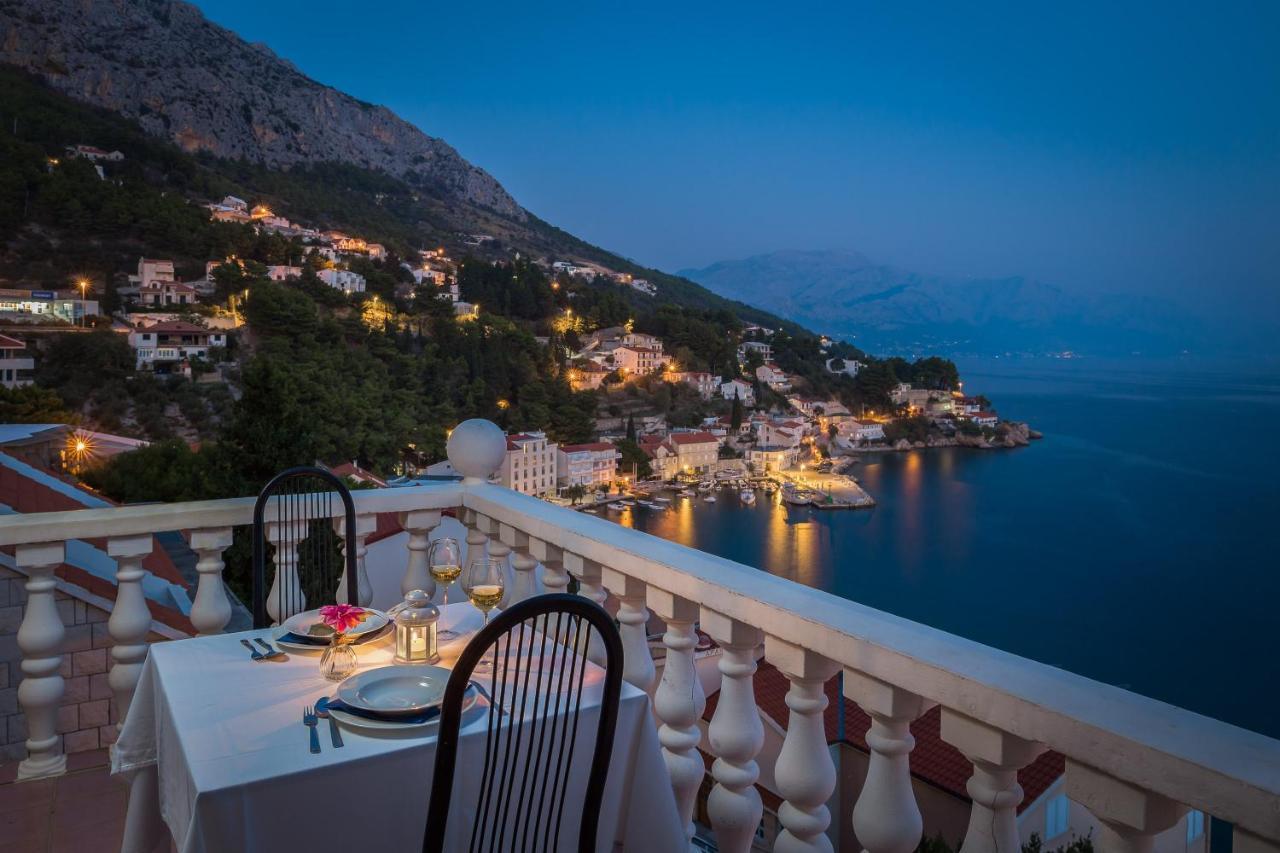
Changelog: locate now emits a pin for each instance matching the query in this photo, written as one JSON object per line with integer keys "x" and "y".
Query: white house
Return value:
{"x": 173, "y": 341}
{"x": 152, "y": 270}
{"x": 985, "y": 419}
{"x": 662, "y": 456}
{"x": 280, "y": 272}
{"x": 345, "y": 280}
{"x": 695, "y": 451}
{"x": 15, "y": 364}
{"x": 638, "y": 360}
{"x": 780, "y": 433}
{"x": 860, "y": 430}
{"x": 737, "y": 388}
{"x": 159, "y": 293}
{"x": 530, "y": 464}
{"x": 765, "y": 351}
{"x": 773, "y": 377}
{"x": 765, "y": 458}
{"x": 704, "y": 383}
{"x": 843, "y": 365}
{"x": 589, "y": 465}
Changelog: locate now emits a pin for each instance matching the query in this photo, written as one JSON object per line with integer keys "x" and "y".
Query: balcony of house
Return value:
{"x": 787, "y": 718}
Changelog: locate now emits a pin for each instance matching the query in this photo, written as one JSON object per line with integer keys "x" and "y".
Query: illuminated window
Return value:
{"x": 1055, "y": 817}
{"x": 1195, "y": 825}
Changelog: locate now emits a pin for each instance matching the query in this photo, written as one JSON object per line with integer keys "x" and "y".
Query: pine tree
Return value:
{"x": 631, "y": 427}
{"x": 735, "y": 414}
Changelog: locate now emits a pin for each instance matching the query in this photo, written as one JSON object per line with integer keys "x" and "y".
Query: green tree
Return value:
{"x": 735, "y": 415}
{"x": 32, "y": 405}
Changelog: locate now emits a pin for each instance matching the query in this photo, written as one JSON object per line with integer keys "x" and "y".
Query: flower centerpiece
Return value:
{"x": 339, "y": 659}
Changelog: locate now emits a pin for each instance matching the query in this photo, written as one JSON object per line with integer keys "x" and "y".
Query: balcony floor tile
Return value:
{"x": 82, "y": 811}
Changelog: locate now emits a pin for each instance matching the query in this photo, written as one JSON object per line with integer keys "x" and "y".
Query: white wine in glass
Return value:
{"x": 444, "y": 561}
{"x": 484, "y": 583}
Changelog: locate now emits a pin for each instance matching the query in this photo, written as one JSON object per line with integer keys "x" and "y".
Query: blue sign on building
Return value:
{"x": 43, "y": 294}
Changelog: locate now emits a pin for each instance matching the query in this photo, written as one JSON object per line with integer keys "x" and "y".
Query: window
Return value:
{"x": 1055, "y": 817}
{"x": 1195, "y": 825}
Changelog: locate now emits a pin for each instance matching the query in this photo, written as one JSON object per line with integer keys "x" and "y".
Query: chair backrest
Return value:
{"x": 310, "y": 559}
{"x": 527, "y": 774}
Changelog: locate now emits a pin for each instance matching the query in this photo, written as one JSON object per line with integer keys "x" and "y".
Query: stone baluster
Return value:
{"x": 417, "y": 574}
{"x": 997, "y": 757}
{"x": 1130, "y": 817}
{"x": 211, "y": 610}
{"x": 477, "y": 539}
{"x": 590, "y": 585}
{"x": 736, "y": 735}
{"x": 805, "y": 772}
{"x": 130, "y": 620}
{"x": 40, "y": 638}
{"x": 554, "y": 577}
{"x": 366, "y": 523}
{"x": 679, "y": 701}
{"x": 500, "y": 551}
{"x": 524, "y": 580}
{"x": 886, "y": 818}
{"x": 633, "y": 622}
{"x": 285, "y": 597}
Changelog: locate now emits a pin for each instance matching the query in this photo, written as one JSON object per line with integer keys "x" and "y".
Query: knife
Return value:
{"x": 322, "y": 710}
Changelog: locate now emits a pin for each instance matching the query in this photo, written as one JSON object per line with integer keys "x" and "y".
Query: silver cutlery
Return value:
{"x": 271, "y": 652}
{"x": 322, "y": 710}
{"x": 309, "y": 720}
{"x": 257, "y": 655}
{"x": 485, "y": 693}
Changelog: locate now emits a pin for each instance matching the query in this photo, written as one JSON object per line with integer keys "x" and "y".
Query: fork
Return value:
{"x": 257, "y": 655}
{"x": 310, "y": 720}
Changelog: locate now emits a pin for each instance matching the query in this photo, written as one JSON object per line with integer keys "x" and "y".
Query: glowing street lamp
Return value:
{"x": 84, "y": 287}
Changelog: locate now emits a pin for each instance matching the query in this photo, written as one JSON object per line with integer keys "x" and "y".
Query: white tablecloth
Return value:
{"x": 235, "y": 774}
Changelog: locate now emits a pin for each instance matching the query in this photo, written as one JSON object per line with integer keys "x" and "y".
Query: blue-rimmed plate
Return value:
{"x": 393, "y": 691}
{"x": 348, "y": 718}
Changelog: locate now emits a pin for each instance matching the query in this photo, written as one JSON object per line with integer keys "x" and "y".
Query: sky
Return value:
{"x": 1102, "y": 147}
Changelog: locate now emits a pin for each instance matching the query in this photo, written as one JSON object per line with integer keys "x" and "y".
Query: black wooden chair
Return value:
{"x": 300, "y": 500}
{"x": 526, "y": 779}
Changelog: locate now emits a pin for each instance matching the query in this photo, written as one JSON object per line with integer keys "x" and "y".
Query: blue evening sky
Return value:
{"x": 1096, "y": 147}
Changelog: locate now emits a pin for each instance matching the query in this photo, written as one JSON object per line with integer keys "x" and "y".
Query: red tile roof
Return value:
{"x": 7, "y": 342}
{"x": 933, "y": 760}
{"x": 179, "y": 326}
{"x": 692, "y": 437}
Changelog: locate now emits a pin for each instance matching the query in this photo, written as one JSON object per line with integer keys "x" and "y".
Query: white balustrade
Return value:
{"x": 997, "y": 757}
{"x": 417, "y": 573}
{"x": 366, "y": 523}
{"x": 40, "y": 638}
{"x": 500, "y": 551}
{"x": 679, "y": 700}
{"x": 1130, "y": 816}
{"x": 736, "y": 735}
{"x": 130, "y": 620}
{"x": 886, "y": 818}
{"x": 805, "y": 772}
{"x": 477, "y": 539}
{"x": 1136, "y": 763}
{"x": 210, "y": 611}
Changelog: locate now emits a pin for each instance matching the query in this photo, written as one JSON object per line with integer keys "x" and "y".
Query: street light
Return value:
{"x": 84, "y": 286}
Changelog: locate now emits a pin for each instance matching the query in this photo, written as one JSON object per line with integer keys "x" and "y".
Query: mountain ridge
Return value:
{"x": 183, "y": 77}
{"x": 847, "y": 294}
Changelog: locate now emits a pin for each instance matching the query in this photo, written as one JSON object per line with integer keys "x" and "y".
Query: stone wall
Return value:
{"x": 86, "y": 719}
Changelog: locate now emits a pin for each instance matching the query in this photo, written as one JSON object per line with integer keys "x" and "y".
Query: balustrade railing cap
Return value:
{"x": 476, "y": 449}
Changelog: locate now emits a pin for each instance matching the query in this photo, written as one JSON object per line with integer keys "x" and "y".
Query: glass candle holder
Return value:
{"x": 416, "y": 625}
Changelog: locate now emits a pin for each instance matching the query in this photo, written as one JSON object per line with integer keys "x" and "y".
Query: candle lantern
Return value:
{"x": 416, "y": 629}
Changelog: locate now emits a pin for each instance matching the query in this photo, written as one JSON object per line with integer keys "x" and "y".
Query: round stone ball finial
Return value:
{"x": 476, "y": 449}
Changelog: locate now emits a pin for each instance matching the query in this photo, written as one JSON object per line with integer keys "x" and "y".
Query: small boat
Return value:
{"x": 748, "y": 497}
{"x": 705, "y": 486}
{"x": 627, "y": 502}
{"x": 617, "y": 506}
{"x": 663, "y": 501}
{"x": 651, "y": 505}
{"x": 592, "y": 511}
{"x": 686, "y": 493}
{"x": 710, "y": 499}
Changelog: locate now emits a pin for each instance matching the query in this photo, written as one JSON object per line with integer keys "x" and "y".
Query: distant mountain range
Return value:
{"x": 884, "y": 309}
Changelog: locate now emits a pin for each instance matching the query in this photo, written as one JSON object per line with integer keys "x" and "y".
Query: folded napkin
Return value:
{"x": 321, "y": 642}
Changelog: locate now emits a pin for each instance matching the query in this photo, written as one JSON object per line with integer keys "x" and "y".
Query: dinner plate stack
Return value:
{"x": 394, "y": 698}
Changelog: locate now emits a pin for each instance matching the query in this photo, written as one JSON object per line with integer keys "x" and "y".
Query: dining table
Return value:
{"x": 215, "y": 750}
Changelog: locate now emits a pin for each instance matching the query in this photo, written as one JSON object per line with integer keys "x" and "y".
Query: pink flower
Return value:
{"x": 342, "y": 617}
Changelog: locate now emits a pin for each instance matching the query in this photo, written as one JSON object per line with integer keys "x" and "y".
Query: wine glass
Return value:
{"x": 444, "y": 561}
{"x": 484, "y": 583}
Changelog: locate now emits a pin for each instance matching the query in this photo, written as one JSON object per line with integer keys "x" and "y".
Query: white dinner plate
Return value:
{"x": 299, "y": 623}
{"x": 397, "y": 689}
{"x": 351, "y": 721}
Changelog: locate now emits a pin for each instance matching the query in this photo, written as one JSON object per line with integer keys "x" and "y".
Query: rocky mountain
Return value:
{"x": 184, "y": 78}
{"x": 887, "y": 309}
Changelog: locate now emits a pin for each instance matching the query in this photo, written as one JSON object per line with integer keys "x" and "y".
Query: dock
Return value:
{"x": 836, "y": 491}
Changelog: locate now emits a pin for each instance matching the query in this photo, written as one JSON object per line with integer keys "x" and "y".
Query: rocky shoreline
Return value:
{"x": 1015, "y": 434}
